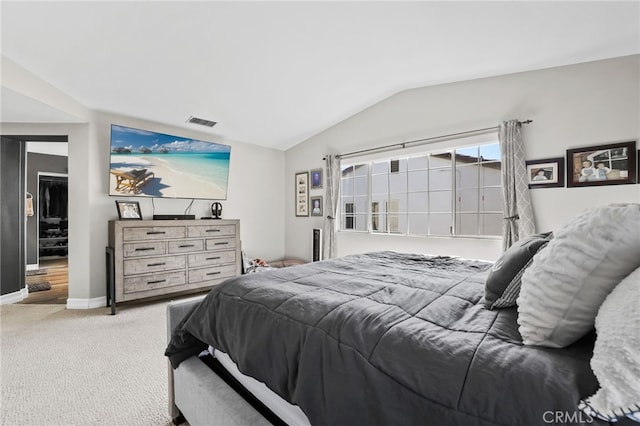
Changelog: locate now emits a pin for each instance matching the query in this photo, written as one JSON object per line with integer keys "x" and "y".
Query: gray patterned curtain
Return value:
{"x": 332, "y": 192}
{"x": 518, "y": 213}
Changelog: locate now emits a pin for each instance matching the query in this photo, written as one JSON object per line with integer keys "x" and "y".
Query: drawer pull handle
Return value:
{"x": 214, "y": 273}
{"x": 221, "y": 244}
{"x": 155, "y": 232}
{"x": 186, "y": 245}
{"x": 155, "y": 282}
{"x": 212, "y": 230}
{"x": 145, "y": 248}
{"x": 157, "y": 264}
{"x": 213, "y": 258}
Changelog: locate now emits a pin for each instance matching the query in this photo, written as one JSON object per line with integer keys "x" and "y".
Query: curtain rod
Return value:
{"x": 424, "y": 141}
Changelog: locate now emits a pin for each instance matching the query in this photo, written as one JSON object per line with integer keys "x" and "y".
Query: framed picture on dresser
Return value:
{"x": 128, "y": 210}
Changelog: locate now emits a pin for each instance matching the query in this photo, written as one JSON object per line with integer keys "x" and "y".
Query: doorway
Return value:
{"x": 47, "y": 276}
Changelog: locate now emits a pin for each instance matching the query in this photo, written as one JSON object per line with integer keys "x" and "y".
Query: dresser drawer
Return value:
{"x": 153, "y": 233}
{"x": 153, "y": 281}
{"x": 185, "y": 246}
{"x": 212, "y": 273}
{"x": 220, "y": 243}
{"x": 208, "y": 259}
{"x": 153, "y": 264}
{"x": 211, "y": 230}
{"x": 144, "y": 249}
{"x": 153, "y": 258}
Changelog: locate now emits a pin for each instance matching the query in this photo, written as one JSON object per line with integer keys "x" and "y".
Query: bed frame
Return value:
{"x": 202, "y": 391}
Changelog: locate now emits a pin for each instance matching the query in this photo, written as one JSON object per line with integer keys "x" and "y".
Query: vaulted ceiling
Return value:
{"x": 276, "y": 73}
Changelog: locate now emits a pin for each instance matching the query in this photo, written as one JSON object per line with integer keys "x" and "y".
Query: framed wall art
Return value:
{"x": 316, "y": 205}
{"x": 316, "y": 179}
{"x": 302, "y": 194}
{"x": 611, "y": 164}
{"x": 128, "y": 210}
{"x": 547, "y": 173}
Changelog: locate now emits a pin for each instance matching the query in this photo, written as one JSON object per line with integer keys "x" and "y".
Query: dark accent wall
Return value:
{"x": 44, "y": 163}
{"x": 12, "y": 215}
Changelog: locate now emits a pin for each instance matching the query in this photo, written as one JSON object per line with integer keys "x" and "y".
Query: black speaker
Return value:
{"x": 216, "y": 210}
{"x": 317, "y": 245}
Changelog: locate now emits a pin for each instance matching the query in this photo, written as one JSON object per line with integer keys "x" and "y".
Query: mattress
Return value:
{"x": 387, "y": 338}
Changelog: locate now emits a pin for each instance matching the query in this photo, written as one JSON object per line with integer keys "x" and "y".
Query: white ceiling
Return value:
{"x": 276, "y": 73}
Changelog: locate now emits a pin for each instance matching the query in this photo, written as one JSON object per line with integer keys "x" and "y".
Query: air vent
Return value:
{"x": 395, "y": 166}
{"x": 201, "y": 121}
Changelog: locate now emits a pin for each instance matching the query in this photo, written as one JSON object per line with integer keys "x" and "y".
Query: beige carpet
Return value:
{"x": 83, "y": 367}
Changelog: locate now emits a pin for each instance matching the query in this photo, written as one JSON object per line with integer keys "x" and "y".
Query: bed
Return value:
{"x": 387, "y": 338}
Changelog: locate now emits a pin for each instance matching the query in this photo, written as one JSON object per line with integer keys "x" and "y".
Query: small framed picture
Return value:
{"x": 316, "y": 179}
{"x": 316, "y": 206}
{"x": 547, "y": 173}
{"x": 611, "y": 164}
{"x": 128, "y": 210}
{"x": 302, "y": 192}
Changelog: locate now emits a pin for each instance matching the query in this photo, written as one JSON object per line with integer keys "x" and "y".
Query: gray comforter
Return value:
{"x": 388, "y": 339}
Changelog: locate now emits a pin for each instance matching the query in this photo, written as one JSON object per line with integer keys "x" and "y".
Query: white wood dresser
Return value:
{"x": 150, "y": 258}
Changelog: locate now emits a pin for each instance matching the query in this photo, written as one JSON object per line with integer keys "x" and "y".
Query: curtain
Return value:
{"x": 518, "y": 213}
{"x": 332, "y": 192}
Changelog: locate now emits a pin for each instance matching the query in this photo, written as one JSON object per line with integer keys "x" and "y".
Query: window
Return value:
{"x": 478, "y": 191}
{"x": 348, "y": 217}
{"x": 354, "y": 190}
{"x": 452, "y": 192}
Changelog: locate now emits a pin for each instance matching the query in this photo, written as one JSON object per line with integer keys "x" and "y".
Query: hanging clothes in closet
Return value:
{"x": 53, "y": 197}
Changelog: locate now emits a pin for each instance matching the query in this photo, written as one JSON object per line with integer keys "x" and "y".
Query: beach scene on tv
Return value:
{"x": 145, "y": 163}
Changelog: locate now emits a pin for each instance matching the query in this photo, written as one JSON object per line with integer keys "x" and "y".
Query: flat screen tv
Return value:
{"x": 151, "y": 164}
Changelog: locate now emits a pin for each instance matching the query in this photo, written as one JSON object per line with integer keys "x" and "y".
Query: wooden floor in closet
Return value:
{"x": 56, "y": 272}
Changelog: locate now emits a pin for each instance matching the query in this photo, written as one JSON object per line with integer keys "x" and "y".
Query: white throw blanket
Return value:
{"x": 616, "y": 359}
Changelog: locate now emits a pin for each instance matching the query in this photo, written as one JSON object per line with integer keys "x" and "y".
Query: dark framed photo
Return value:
{"x": 128, "y": 210}
{"x": 316, "y": 179}
{"x": 547, "y": 173}
{"x": 316, "y": 205}
{"x": 302, "y": 194}
{"x": 611, "y": 164}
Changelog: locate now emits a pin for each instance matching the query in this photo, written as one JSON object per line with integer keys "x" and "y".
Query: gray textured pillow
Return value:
{"x": 503, "y": 283}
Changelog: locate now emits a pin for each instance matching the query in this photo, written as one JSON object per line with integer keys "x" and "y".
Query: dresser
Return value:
{"x": 151, "y": 258}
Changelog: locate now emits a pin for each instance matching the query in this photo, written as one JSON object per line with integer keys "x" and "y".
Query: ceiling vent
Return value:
{"x": 201, "y": 121}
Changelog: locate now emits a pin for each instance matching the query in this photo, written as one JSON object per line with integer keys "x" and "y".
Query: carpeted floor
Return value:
{"x": 83, "y": 367}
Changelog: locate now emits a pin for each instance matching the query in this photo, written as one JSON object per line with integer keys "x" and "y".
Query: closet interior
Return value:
{"x": 52, "y": 211}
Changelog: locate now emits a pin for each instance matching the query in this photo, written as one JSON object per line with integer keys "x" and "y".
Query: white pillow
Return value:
{"x": 568, "y": 280}
{"x": 616, "y": 353}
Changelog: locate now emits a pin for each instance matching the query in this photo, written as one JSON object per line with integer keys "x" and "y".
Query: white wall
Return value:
{"x": 255, "y": 193}
{"x": 256, "y": 182}
{"x": 572, "y": 106}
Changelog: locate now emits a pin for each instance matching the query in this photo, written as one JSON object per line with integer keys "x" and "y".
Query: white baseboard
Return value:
{"x": 96, "y": 302}
{"x": 15, "y": 297}
{"x": 18, "y": 296}
{"x": 33, "y": 267}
